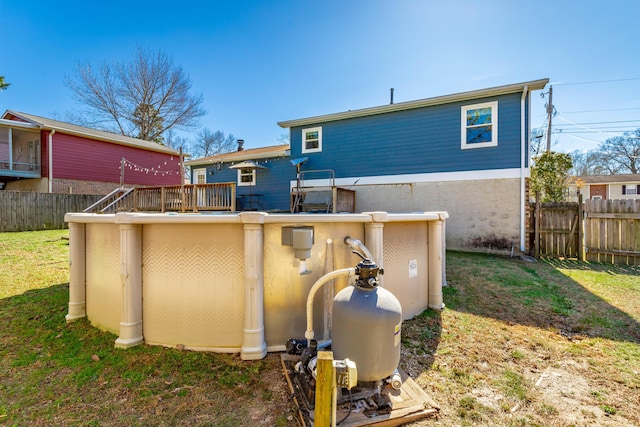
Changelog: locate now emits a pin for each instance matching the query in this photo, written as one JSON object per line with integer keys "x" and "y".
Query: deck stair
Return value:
{"x": 119, "y": 200}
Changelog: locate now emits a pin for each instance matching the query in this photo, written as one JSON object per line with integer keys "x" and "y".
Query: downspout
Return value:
{"x": 523, "y": 152}
{"x": 50, "y": 150}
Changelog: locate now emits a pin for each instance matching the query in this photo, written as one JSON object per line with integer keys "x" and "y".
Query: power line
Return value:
{"x": 604, "y": 123}
{"x": 597, "y": 82}
{"x": 566, "y": 132}
{"x": 601, "y": 111}
{"x": 584, "y": 139}
{"x": 584, "y": 127}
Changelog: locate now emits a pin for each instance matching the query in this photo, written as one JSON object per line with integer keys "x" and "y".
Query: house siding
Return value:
{"x": 44, "y": 153}
{"x": 272, "y": 183}
{"x": 90, "y": 160}
{"x": 598, "y": 190}
{"x": 412, "y": 161}
{"x": 423, "y": 140}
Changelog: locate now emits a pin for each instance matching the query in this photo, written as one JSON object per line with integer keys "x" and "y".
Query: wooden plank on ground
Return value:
{"x": 408, "y": 404}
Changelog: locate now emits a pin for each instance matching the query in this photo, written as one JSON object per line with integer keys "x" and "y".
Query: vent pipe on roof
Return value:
{"x": 391, "y": 90}
{"x": 240, "y": 144}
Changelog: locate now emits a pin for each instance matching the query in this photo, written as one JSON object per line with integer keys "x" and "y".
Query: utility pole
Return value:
{"x": 550, "y": 115}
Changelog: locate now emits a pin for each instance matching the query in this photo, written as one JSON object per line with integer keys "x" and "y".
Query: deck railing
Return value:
{"x": 191, "y": 197}
{"x": 177, "y": 198}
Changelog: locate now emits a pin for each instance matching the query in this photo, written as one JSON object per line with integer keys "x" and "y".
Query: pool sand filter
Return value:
{"x": 365, "y": 341}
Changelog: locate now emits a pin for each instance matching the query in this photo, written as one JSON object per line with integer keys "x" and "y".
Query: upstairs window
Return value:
{"x": 312, "y": 140}
{"x": 246, "y": 177}
{"x": 480, "y": 125}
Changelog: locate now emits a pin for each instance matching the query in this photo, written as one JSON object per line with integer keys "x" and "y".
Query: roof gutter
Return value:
{"x": 439, "y": 100}
{"x": 235, "y": 158}
{"x": 104, "y": 138}
{"x": 16, "y": 124}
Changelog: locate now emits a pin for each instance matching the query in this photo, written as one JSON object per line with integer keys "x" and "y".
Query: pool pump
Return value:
{"x": 367, "y": 320}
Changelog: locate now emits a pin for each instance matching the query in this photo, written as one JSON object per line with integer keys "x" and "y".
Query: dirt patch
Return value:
{"x": 279, "y": 409}
{"x": 575, "y": 399}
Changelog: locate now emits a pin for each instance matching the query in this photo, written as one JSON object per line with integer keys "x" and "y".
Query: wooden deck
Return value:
{"x": 178, "y": 198}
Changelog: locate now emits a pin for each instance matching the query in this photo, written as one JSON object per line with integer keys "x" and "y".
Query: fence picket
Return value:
{"x": 610, "y": 231}
{"x": 28, "y": 211}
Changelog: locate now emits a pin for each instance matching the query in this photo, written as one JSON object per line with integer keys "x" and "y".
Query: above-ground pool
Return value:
{"x": 232, "y": 283}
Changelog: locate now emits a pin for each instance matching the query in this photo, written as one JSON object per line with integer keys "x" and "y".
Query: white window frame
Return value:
{"x": 304, "y": 140}
{"x": 246, "y": 183}
{"x": 494, "y": 125}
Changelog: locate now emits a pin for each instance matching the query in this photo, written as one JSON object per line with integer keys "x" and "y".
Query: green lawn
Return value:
{"x": 512, "y": 334}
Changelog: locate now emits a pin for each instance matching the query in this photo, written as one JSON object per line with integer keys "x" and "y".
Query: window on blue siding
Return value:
{"x": 312, "y": 140}
{"x": 246, "y": 177}
{"x": 480, "y": 125}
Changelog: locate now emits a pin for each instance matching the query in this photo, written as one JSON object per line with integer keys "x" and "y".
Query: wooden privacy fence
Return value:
{"x": 557, "y": 228}
{"x": 27, "y": 211}
{"x": 612, "y": 231}
{"x": 596, "y": 230}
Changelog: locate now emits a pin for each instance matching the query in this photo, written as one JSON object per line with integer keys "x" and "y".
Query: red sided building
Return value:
{"x": 49, "y": 156}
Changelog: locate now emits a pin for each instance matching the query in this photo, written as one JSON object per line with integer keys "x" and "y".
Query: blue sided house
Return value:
{"x": 464, "y": 153}
{"x": 261, "y": 175}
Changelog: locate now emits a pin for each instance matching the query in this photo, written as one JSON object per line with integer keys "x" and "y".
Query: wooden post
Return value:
{"x": 182, "y": 180}
{"x": 233, "y": 198}
{"x": 536, "y": 227}
{"x": 194, "y": 198}
{"x": 580, "y": 229}
{"x": 122, "y": 161}
{"x": 324, "y": 384}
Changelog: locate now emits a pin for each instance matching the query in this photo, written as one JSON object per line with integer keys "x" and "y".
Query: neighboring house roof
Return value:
{"x": 438, "y": 100}
{"x": 71, "y": 129}
{"x": 248, "y": 154}
{"x": 604, "y": 179}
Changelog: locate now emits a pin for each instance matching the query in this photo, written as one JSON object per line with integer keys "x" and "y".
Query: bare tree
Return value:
{"x": 588, "y": 163}
{"x": 537, "y": 142}
{"x": 284, "y": 139}
{"x": 617, "y": 155}
{"x": 622, "y": 153}
{"x": 172, "y": 140}
{"x": 142, "y": 98}
{"x": 209, "y": 143}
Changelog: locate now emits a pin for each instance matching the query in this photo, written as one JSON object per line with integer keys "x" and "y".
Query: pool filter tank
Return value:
{"x": 366, "y": 325}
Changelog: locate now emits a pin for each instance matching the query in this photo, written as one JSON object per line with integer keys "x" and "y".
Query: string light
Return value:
{"x": 155, "y": 170}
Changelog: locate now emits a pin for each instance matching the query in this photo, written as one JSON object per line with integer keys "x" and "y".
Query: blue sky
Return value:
{"x": 257, "y": 63}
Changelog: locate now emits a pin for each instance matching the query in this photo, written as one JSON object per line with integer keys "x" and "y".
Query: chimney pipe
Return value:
{"x": 240, "y": 144}
{"x": 391, "y": 96}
